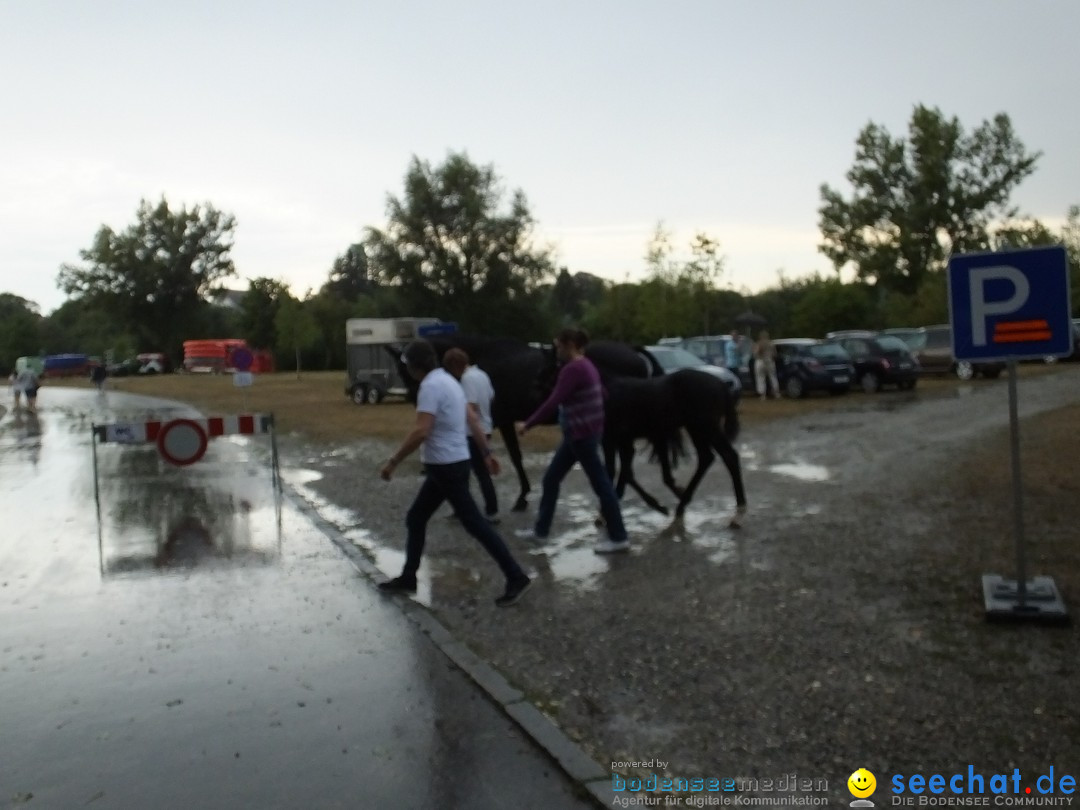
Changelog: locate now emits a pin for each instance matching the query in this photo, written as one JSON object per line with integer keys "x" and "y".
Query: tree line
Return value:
{"x": 456, "y": 246}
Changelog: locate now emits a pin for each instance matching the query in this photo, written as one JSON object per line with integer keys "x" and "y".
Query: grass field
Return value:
{"x": 315, "y": 406}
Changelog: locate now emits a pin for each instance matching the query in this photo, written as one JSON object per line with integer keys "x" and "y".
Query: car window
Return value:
{"x": 671, "y": 359}
{"x": 855, "y": 347}
{"x": 890, "y": 343}
{"x": 829, "y": 353}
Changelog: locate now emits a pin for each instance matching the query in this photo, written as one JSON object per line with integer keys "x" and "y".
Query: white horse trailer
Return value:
{"x": 373, "y": 349}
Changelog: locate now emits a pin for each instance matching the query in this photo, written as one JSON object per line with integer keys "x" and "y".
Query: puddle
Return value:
{"x": 801, "y": 470}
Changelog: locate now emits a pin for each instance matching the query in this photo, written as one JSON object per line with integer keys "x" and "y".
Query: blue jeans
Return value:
{"x": 450, "y": 482}
{"x": 587, "y": 453}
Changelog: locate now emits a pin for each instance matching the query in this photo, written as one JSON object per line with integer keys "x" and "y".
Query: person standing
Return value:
{"x": 579, "y": 396}
{"x": 441, "y": 418}
{"x": 28, "y": 383}
{"x": 16, "y": 388}
{"x": 765, "y": 366}
{"x": 479, "y": 394}
{"x": 98, "y": 375}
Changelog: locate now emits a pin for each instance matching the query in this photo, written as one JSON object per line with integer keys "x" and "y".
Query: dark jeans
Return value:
{"x": 483, "y": 477}
{"x": 587, "y": 453}
{"x": 450, "y": 482}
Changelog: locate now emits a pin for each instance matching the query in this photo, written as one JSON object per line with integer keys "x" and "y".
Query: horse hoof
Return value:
{"x": 519, "y": 506}
{"x": 599, "y": 523}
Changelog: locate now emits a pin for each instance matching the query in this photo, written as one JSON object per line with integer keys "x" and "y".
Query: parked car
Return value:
{"x": 804, "y": 365}
{"x": 674, "y": 358}
{"x": 1075, "y": 356}
{"x": 879, "y": 360}
{"x": 124, "y": 368}
{"x": 932, "y": 346}
{"x": 710, "y": 348}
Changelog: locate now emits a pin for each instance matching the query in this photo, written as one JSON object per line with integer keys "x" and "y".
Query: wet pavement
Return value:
{"x": 204, "y": 644}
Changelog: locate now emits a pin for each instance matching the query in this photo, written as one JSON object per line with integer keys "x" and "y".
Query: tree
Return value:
{"x": 350, "y": 276}
{"x": 153, "y": 277}
{"x": 917, "y": 200}
{"x": 258, "y": 312}
{"x": 20, "y": 321}
{"x": 296, "y": 327}
{"x": 453, "y": 252}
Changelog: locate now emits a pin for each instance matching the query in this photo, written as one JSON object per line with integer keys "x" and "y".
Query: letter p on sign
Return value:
{"x": 981, "y": 308}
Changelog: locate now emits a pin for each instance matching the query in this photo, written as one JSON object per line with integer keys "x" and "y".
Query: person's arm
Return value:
{"x": 565, "y": 385}
{"x": 473, "y": 418}
{"x": 416, "y": 437}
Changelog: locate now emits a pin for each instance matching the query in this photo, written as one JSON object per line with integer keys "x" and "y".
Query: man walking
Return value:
{"x": 479, "y": 394}
{"x": 440, "y": 430}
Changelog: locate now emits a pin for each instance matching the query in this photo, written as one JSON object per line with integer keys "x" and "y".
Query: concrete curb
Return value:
{"x": 590, "y": 776}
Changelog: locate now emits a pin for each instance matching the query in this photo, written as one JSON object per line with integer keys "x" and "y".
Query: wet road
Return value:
{"x": 206, "y": 649}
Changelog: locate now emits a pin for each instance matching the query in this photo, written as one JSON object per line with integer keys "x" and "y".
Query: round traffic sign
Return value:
{"x": 242, "y": 359}
{"x": 182, "y": 442}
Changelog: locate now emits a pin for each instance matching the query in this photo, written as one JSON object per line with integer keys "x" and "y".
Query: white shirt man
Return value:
{"x": 479, "y": 393}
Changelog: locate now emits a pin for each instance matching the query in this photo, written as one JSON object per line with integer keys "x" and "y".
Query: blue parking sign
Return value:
{"x": 1012, "y": 305}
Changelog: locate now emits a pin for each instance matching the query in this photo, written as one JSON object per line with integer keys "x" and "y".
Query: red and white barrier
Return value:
{"x": 184, "y": 441}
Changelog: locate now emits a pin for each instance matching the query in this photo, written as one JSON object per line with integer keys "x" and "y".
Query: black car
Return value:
{"x": 804, "y": 365}
{"x": 880, "y": 360}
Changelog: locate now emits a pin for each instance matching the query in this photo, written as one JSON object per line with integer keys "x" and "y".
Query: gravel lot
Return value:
{"x": 842, "y": 627}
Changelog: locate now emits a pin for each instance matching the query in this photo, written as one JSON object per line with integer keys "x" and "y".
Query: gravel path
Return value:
{"x": 842, "y": 627}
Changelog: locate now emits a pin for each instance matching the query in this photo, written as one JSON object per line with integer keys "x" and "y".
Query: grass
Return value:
{"x": 315, "y": 406}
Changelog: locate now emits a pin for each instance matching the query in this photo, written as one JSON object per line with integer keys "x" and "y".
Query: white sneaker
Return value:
{"x": 611, "y": 547}
{"x": 529, "y": 535}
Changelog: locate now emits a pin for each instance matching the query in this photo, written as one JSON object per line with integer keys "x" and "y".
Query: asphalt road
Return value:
{"x": 203, "y": 646}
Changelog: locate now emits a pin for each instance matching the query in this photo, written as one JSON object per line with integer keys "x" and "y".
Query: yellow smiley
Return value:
{"x": 861, "y": 783}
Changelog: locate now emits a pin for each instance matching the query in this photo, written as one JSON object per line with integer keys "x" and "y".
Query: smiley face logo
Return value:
{"x": 861, "y": 783}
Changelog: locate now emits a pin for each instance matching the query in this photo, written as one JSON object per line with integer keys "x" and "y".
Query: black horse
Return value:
{"x": 514, "y": 368}
{"x": 658, "y": 409}
{"x": 645, "y": 403}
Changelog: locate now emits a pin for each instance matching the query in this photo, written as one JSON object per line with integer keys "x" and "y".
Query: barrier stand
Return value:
{"x": 183, "y": 442}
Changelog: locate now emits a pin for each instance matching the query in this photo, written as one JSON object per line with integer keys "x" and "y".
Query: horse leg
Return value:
{"x": 513, "y": 448}
{"x": 730, "y": 456}
{"x": 626, "y": 476}
{"x": 705, "y": 459}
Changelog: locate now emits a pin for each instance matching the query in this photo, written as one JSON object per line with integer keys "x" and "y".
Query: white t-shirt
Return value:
{"x": 479, "y": 392}
{"x": 442, "y": 397}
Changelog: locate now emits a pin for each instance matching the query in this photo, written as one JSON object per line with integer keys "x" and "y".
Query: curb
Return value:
{"x": 570, "y": 757}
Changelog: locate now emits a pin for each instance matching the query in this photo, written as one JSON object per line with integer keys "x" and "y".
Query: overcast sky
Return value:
{"x": 300, "y": 118}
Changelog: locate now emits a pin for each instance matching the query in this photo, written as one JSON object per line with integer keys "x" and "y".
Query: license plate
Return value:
{"x": 843, "y": 379}
{"x": 905, "y": 365}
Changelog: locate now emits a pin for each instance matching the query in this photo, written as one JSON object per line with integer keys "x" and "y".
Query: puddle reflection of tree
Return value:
{"x": 157, "y": 515}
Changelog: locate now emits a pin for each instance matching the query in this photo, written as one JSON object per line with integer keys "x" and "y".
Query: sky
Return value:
{"x": 299, "y": 119}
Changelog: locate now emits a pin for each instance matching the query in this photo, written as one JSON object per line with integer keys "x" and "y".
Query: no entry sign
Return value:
{"x": 182, "y": 442}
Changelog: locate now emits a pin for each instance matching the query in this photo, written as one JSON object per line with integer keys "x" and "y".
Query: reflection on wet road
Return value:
{"x": 206, "y": 654}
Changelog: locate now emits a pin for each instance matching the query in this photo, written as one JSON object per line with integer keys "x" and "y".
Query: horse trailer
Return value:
{"x": 373, "y": 349}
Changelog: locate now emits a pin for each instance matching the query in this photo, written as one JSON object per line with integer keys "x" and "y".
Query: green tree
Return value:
{"x": 20, "y": 321}
{"x": 916, "y": 200}
{"x": 350, "y": 276}
{"x": 296, "y": 327}
{"x": 154, "y": 276}
{"x": 452, "y": 251}
{"x": 828, "y": 304}
{"x": 259, "y": 310}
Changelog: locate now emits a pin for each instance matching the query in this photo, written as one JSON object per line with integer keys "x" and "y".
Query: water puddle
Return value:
{"x": 802, "y": 470}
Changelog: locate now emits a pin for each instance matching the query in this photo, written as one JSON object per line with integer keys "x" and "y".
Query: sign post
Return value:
{"x": 242, "y": 360}
{"x": 1013, "y": 306}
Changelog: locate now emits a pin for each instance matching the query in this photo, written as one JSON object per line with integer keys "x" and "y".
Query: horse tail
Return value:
{"x": 670, "y": 444}
{"x": 731, "y": 417}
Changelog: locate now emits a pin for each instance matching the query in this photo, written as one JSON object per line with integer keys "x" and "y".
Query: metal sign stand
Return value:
{"x": 1020, "y": 599}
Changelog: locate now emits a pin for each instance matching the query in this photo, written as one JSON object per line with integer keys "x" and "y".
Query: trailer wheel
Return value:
{"x": 358, "y": 394}
{"x": 373, "y": 395}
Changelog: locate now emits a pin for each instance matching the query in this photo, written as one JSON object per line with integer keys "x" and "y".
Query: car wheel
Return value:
{"x": 964, "y": 370}
{"x": 359, "y": 394}
{"x": 372, "y": 395}
{"x": 870, "y": 382}
{"x": 794, "y": 387}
